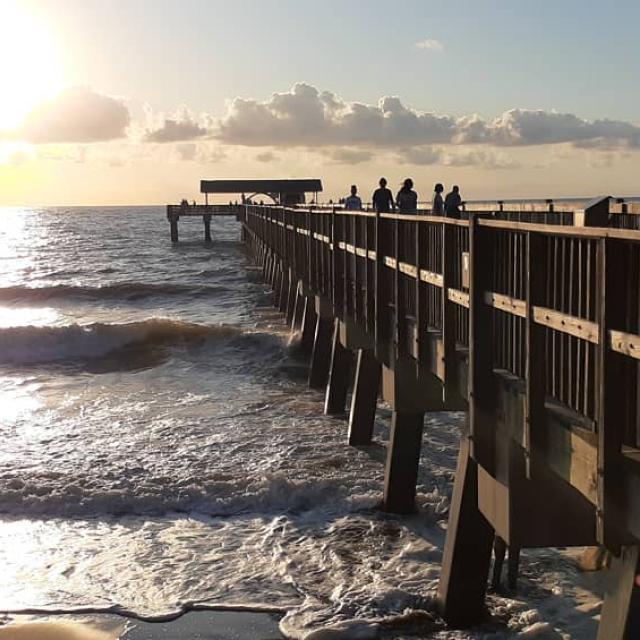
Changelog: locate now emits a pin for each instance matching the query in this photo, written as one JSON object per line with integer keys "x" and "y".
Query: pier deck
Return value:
{"x": 530, "y": 320}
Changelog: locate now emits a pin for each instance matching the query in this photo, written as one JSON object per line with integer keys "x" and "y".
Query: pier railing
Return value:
{"x": 529, "y": 318}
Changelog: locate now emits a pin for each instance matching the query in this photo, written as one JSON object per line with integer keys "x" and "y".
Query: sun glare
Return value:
{"x": 30, "y": 68}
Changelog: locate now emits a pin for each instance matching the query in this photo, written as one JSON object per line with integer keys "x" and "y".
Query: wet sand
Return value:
{"x": 200, "y": 625}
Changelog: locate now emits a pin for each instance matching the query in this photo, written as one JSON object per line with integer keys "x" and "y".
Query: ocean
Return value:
{"x": 160, "y": 450}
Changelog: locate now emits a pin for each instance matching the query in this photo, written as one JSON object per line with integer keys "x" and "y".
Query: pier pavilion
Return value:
{"x": 289, "y": 192}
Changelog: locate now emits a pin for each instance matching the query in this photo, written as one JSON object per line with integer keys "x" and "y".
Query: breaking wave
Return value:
{"x": 29, "y": 345}
{"x": 58, "y": 494}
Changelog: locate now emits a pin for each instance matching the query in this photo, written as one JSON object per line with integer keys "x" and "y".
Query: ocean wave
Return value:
{"x": 30, "y": 345}
{"x": 57, "y": 494}
{"x": 128, "y": 291}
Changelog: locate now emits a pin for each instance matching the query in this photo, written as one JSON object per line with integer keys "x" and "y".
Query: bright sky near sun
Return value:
{"x": 133, "y": 101}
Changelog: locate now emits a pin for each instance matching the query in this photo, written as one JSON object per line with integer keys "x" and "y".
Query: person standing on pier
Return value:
{"x": 407, "y": 198}
{"x": 437, "y": 203}
{"x": 452, "y": 203}
{"x": 383, "y": 198}
{"x": 353, "y": 202}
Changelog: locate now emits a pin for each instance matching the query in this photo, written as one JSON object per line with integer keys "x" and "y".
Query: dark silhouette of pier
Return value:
{"x": 528, "y": 317}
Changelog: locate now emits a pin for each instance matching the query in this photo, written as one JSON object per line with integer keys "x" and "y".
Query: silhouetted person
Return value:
{"x": 407, "y": 198}
{"x": 452, "y": 203}
{"x": 437, "y": 203}
{"x": 383, "y": 198}
{"x": 353, "y": 202}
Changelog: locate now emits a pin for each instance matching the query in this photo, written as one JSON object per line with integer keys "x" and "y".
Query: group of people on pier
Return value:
{"x": 406, "y": 200}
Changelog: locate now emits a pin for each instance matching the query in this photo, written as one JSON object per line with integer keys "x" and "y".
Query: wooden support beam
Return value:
{"x": 298, "y": 309}
{"x": 403, "y": 456}
{"x": 173, "y": 221}
{"x": 207, "y": 227}
{"x": 364, "y": 400}
{"x": 620, "y": 617}
{"x": 309, "y": 322}
{"x": 292, "y": 295}
{"x": 339, "y": 375}
{"x": 321, "y": 356}
{"x": 467, "y": 550}
{"x": 283, "y": 290}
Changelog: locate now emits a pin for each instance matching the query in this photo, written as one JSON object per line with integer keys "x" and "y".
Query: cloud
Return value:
{"x": 304, "y": 117}
{"x": 76, "y": 115}
{"x": 183, "y": 125}
{"x": 267, "y": 156}
{"x": 430, "y": 44}
{"x": 420, "y": 155}
{"x": 454, "y": 157}
{"x": 350, "y": 156}
{"x": 173, "y": 131}
{"x": 202, "y": 153}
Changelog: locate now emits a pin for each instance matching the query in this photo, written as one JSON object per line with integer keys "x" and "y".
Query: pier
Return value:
{"x": 285, "y": 192}
{"x": 527, "y": 317}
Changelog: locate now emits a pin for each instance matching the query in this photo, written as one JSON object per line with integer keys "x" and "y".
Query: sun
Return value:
{"x": 30, "y": 67}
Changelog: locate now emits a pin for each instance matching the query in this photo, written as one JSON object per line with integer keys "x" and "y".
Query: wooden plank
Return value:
{"x": 431, "y": 277}
{"x": 578, "y": 327}
{"x": 506, "y": 303}
{"x": 408, "y": 269}
{"x": 626, "y": 343}
{"x": 459, "y": 297}
{"x": 566, "y": 231}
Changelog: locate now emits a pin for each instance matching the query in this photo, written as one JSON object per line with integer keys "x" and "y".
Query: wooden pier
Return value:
{"x": 204, "y": 211}
{"x": 526, "y": 316}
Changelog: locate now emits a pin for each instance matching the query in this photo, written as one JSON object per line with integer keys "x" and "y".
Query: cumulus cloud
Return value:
{"x": 179, "y": 127}
{"x": 305, "y": 116}
{"x": 430, "y": 44}
{"x": 76, "y": 115}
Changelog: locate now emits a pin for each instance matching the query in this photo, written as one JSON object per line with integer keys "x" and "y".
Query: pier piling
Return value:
{"x": 403, "y": 455}
{"x": 321, "y": 356}
{"x": 309, "y": 322}
{"x": 174, "y": 227}
{"x": 467, "y": 550}
{"x": 364, "y": 400}
{"x": 339, "y": 375}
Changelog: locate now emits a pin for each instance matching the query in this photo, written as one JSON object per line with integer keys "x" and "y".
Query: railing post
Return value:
{"x": 453, "y": 397}
{"x": 535, "y": 373}
{"x": 612, "y": 397}
{"x": 481, "y": 377}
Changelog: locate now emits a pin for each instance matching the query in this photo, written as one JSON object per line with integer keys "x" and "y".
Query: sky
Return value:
{"x": 135, "y": 101}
